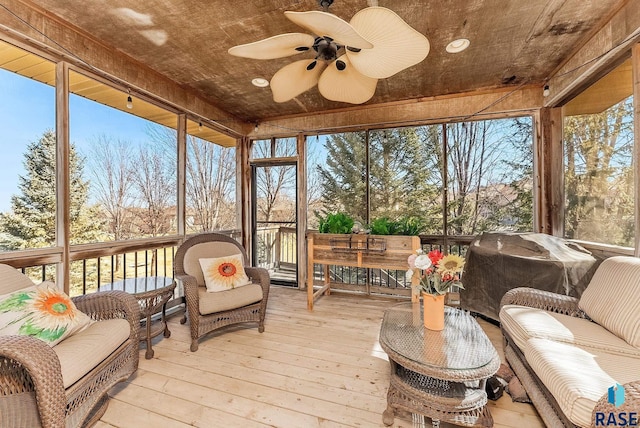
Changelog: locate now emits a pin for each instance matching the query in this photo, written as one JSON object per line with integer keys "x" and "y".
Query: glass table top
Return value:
{"x": 462, "y": 345}
{"x": 139, "y": 285}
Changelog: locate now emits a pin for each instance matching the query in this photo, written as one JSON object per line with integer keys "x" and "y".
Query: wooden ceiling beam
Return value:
{"x": 469, "y": 106}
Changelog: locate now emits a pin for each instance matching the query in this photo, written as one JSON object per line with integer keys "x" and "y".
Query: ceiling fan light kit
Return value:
{"x": 349, "y": 59}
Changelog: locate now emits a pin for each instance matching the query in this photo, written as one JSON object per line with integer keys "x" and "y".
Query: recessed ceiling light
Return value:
{"x": 458, "y": 45}
{"x": 260, "y": 82}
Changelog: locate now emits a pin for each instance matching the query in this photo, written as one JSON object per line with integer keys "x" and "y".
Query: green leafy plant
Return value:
{"x": 335, "y": 223}
{"x": 383, "y": 226}
{"x": 410, "y": 226}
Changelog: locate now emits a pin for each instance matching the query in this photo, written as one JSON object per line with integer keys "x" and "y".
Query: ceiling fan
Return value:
{"x": 349, "y": 59}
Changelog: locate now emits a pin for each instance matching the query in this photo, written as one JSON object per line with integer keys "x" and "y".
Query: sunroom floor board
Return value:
{"x": 308, "y": 369}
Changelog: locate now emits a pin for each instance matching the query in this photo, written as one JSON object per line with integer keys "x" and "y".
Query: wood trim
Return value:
{"x": 602, "y": 51}
{"x": 28, "y": 258}
{"x": 243, "y": 193}
{"x": 274, "y": 161}
{"x": 182, "y": 172}
{"x": 636, "y": 145}
{"x": 555, "y": 207}
{"x": 499, "y": 103}
{"x": 301, "y": 206}
{"x": 549, "y": 173}
{"x": 89, "y": 251}
{"x": 63, "y": 190}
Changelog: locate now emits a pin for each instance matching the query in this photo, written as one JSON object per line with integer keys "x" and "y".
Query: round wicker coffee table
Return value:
{"x": 438, "y": 374}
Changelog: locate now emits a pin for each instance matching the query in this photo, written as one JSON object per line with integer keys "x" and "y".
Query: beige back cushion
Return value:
{"x": 12, "y": 280}
{"x": 206, "y": 250}
{"x": 612, "y": 298}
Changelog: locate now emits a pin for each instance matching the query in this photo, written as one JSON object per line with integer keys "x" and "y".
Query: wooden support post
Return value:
{"x": 182, "y": 172}
{"x": 635, "y": 55}
{"x": 63, "y": 225}
{"x": 549, "y": 173}
{"x": 301, "y": 227}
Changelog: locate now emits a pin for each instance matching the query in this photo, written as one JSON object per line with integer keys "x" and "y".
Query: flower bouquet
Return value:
{"x": 436, "y": 271}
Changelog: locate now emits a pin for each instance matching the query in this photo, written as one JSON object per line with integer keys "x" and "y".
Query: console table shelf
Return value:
{"x": 356, "y": 250}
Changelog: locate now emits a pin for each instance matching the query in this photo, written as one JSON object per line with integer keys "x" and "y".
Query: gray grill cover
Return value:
{"x": 498, "y": 262}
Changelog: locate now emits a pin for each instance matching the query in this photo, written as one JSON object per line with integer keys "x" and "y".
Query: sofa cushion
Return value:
{"x": 83, "y": 351}
{"x": 523, "y": 323}
{"x": 230, "y": 299}
{"x": 43, "y": 311}
{"x": 578, "y": 376}
{"x": 611, "y": 299}
{"x": 12, "y": 279}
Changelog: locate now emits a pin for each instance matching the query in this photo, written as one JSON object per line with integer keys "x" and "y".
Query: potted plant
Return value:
{"x": 437, "y": 273}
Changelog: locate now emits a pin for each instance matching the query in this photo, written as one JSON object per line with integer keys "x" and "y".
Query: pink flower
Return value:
{"x": 412, "y": 261}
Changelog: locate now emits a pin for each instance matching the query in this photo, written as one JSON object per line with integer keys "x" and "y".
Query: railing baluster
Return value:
{"x": 84, "y": 276}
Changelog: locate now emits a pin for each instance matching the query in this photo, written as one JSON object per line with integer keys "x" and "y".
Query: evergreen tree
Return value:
{"x": 31, "y": 221}
{"x": 400, "y": 174}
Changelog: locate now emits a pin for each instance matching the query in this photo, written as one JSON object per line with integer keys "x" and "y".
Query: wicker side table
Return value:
{"x": 152, "y": 293}
{"x": 437, "y": 374}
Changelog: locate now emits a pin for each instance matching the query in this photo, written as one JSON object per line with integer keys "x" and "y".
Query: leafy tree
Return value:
{"x": 112, "y": 172}
{"x": 31, "y": 221}
{"x": 599, "y": 175}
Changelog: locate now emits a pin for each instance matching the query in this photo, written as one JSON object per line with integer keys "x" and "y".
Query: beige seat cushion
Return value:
{"x": 578, "y": 376}
{"x": 86, "y": 349}
{"x": 611, "y": 299}
{"x": 230, "y": 299}
{"x": 523, "y": 323}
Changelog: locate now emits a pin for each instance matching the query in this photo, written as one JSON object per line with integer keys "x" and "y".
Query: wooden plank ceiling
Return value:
{"x": 512, "y": 42}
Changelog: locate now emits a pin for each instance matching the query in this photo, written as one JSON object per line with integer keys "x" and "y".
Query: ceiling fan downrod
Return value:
{"x": 324, "y": 4}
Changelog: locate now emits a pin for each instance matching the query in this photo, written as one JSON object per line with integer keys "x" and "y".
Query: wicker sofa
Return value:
{"x": 66, "y": 385}
{"x": 568, "y": 352}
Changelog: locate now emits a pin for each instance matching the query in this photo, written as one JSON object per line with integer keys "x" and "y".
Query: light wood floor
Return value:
{"x": 308, "y": 369}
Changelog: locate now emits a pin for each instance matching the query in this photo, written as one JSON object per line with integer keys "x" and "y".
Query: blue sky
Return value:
{"x": 27, "y": 111}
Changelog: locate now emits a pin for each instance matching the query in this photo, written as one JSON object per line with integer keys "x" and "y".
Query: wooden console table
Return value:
{"x": 356, "y": 250}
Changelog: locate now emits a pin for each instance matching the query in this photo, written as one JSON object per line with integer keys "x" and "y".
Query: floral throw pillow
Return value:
{"x": 44, "y": 312}
{"x": 224, "y": 273}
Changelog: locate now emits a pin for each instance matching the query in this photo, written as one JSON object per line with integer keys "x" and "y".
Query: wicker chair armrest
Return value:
{"x": 541, "y": 299}
{"x": 105, "y": 305}
{"x": 190, "y": 286}
{"x": 20, "y": 354}
{"x": 261, "y": 276}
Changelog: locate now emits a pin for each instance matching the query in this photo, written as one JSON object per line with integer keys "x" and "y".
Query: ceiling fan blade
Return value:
{"x": 295, "y": 78}
{"x": 396, "y": 44}
{"x": 327, "y": 24}
{"x": 347, "y": 85}
{"x": 275, "y": 47}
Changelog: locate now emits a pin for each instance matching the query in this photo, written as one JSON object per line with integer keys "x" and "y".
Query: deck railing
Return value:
{"x": 94, "y": 266}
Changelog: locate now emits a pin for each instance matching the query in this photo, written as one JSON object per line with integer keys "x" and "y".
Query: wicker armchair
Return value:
{"x": 210, "y": 311}
{"x": 32, "y": 391}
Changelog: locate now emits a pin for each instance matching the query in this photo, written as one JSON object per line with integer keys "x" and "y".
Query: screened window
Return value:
{"x": 598, "y": 152}
{"x": 123, "y": 167}
{"x": 28, "y": 140}
{"x": 211, "y": 183}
